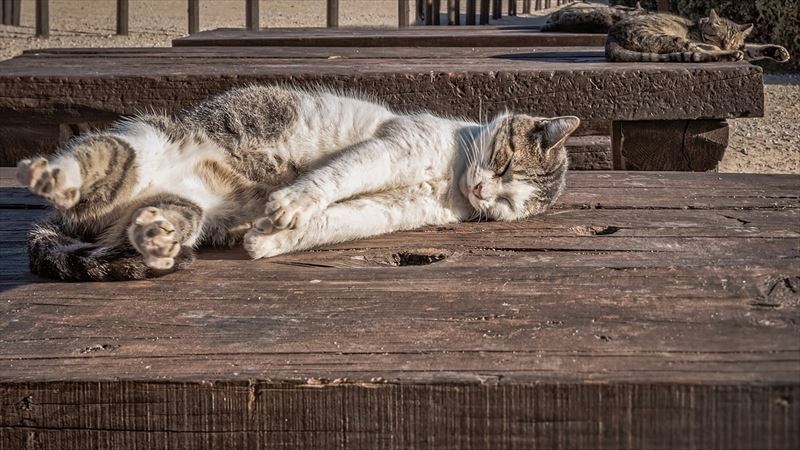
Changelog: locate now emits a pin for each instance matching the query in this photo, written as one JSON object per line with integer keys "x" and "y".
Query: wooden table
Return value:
{"x": 440, "y": 36}
{"x": 648, "y": 310}
{"x": 666, "y": 116}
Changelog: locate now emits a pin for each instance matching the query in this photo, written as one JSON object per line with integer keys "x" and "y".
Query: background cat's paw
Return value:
{"x": 264, "y": 245}
{"x": 155, "y": 238}
{"x": 780, "y": 54}
{"x": 47, "y": 182}
{"x": 290, "y": 208}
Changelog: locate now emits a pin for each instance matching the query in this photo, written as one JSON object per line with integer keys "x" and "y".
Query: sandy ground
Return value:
{"x": 770, "y": 144}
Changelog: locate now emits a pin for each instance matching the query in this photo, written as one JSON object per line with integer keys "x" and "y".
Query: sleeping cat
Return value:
{"x": 585, "y": 17}
{"x": 664, "y": 37}
{"x": 279, "y": 170}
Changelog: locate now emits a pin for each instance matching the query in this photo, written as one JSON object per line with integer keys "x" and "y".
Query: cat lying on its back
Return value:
{"x": 280, "y": 170}
{"x": 664, "y": 37}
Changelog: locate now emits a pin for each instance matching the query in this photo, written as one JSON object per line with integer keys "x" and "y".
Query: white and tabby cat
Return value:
{"x": 279, "y": 170}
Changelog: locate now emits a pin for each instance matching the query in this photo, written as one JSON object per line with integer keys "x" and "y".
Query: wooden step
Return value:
{"x": 442, "y": 36}
{"x": 46, "y": 96}
{"x": 647, "y": 311}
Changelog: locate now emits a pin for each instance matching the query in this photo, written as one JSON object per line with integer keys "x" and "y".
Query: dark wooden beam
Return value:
{"x": 402, "y": 13}
{"x": 16, "y": 12}
{"x": 122, "y": 17}
{"x": 43, "y": 18}
{"x": 420, "y": 10}
{"x": 5, "y": 12}
{"x": 497, "y": 9}
{"x": 252, "y": 17}
{"x": 194, "y": 16}
{"x": 512, "y": 7}
{"x": 332, "y": 14}
{"x": 680, "y": 145}
{"x": 428, "y": 12}
{"x": 538, "y": 5}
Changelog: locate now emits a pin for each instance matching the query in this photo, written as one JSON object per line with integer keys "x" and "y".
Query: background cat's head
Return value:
{"x": 517, "y": 166}
{"x": 723, "y": 33}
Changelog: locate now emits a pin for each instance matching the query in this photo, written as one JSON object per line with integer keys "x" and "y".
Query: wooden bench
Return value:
{"x": 665, "y": 116}
{"x": 440, "y": 36}
{"x": 647, "y": 311}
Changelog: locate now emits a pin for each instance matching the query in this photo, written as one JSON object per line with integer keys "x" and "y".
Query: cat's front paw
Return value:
{"x": 292, "y": 208}
{"x": 47, "y": 182}
{"x": 265, "y": 241}
{"x": 155, "y": 238}
{"x": 779, "y": 53}
{"x": 735, "y": 55}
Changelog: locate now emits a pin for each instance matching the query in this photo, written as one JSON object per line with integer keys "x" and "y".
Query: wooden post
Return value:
{"x": 122, "y": 17}
{"x": 333, "y": 14}
{"x": 402, "y": 13}
{"x": 42, "y": 18}
{"x": 497, "y": 9}
{"x": 663, "y": 6}
{"x": 538, "y": 5}
{"x": 547, "y": 4}
{"x": 16, "y": 12}
{"x": 437, "y": 10}
{"x": 471, "y": 12}
{"x": 526, "y": 6}
{"x": 428, "y": 12}
{"x": 453, "y": 12}
{"x": 512, "y": 7}
{"x": 194, "y": 16}
{"x": 420, "y": 10}
{"x": 484, "y": 12}
{"x": 252, "y": 18}
{"x": 5, "y": 12}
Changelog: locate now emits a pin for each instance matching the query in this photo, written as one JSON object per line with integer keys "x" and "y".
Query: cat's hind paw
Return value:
{"x": 265, "y": 241}
{"x": 47, "y": 182}
{"x": 735, "y": 55}
{"x": 291, "y": 208}
{"x": 155, "y": 238}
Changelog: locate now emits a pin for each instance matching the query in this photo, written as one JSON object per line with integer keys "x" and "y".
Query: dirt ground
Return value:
{"x": 768, "y": 145}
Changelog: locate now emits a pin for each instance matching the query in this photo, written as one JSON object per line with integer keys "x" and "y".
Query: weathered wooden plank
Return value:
{"x": 648, "y": 324}
{"x": 265, "y": 414}
{"x": 440, "y": 36}
{"x": 193, "y": 16}
{"x": 600, "y": 91}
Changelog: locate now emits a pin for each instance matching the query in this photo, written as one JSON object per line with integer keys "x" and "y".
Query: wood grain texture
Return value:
{"x": 56, "y": 92}
{"x": 439, "y": 36}
{"x": 646, "y": 311}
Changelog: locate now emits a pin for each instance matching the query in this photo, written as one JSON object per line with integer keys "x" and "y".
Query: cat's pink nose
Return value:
{"x": 476, "y": 191}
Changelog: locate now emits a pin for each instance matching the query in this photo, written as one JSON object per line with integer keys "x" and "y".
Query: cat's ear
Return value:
{"x": 556, "y": 130}
{"x": 713, "y": 17}
{"x": 638, "y": 6}
{"x": 746, "y": 29}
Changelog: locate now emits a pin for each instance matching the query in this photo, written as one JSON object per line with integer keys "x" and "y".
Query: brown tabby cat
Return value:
{"x": 585, "y": 17}
{"x": 664, "y": 37}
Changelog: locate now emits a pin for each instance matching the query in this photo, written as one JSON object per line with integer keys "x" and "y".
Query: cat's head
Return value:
{"x": 517, "y": 166}
{"x": 723, "y": 33}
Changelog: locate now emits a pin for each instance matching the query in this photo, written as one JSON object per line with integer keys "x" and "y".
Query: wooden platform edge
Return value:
{"x": 376, "y": 414}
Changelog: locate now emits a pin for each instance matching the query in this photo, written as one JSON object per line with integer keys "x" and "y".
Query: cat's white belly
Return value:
{"x": 179, "y": 177}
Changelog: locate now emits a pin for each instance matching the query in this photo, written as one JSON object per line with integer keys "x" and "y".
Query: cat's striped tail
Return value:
{"x": 618, "y": 53}
{"x": 54, "y": 254}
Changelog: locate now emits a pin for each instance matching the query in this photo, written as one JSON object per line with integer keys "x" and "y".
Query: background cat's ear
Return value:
{"x": 713, "y": 17}
{"x": 746, "y": 29}
{"x": 638, "y": 6}
{"x": 556, "y": 130}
